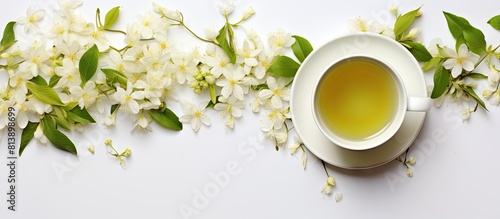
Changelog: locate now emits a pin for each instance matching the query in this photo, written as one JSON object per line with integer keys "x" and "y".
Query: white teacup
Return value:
{"x": 360, "y": 102}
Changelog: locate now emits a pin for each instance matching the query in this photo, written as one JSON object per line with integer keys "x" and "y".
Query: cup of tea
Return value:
{"x": 360, "y": 102}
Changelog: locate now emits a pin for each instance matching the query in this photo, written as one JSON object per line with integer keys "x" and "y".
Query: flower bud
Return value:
{"x": 394, "y": 10}
{"x": 496, "y": 98}
{"x": 487, "y": 94}
{"x": 248, "y": 13}
{"x": 411, "y": 161}
{"x": 210, "y": 79}
{"x": 413, "y": 32}
{"x": 226, "y": 8}
{"x": 157, "y": 8}
{"x": 90, "y": 148}
{"x": 330, "y": 181}
{"x": 127, "y": 152}
{"x": 173, "y": 14}
{"x": 108, "y": 142}
{"x": 199, "y": 77}
{"x": 193, "y": 84}
{"x": 472, "y": 85}
{"x": 211, "y": 34}
{"x": 409, "y": 172}
{"x": 494, "y": 76}
{"x": 5, "y": 56}
{"x": 196, "y": 74}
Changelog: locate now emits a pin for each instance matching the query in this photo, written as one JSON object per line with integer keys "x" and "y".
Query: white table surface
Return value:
{"x": 456, "y": 175}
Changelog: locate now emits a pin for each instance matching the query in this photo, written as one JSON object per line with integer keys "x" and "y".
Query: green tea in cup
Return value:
{"x": 357, "y": 99}
{"x": 360, "y": 102}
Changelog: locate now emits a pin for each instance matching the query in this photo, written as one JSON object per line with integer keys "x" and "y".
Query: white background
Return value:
{"x": 456, "y": 175}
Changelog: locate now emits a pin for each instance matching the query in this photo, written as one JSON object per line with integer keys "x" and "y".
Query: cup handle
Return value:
{"x": 419, "y": 103}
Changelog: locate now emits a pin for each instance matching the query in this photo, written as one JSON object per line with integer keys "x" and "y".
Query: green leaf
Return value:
{"x": 495, "y": 22}
{"x": 69, "y": 106}
{"x": 114, "y": 108}
{"x": 61, "y": 117}
{"x": 9, "y": 37}
{"x": 260, "y": 87}
{"x": 465, "y": 33}
{"x": 456, "y": 24}
{"x": 284, "y": 66}
{"x": 27, "y": 135}
{"x": 477, "y": 76}
{"x": 54, "y": 80}
{"x": 418, "y": 51}
{"x": 403, "y": 22}
{"x": 225, "y": 44}
{"x": 301, "y": 48}
{"x": 88, "y": 63}
{"x": 80, "y": 116}
{"x": 166, "y": 118}
{"x": 474, "y": 38}
{"x": 39, "y": 80}
{"x": 57, "y": 138}
{"x": 213, "y": 94}
{"x": 441, "y": 81}
{"x": 473, "y": 94}
{"x": 431, "y": 64}
{"x": 460, "y": 41}
{"x": 63, "y": 122}
{"x": 115, "y": 76}
{"x": 111, "y": 17}
{"x": 212, "y": 104}
{"x": 45, "y": 94}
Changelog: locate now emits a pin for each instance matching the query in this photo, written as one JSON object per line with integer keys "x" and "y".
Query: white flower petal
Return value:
{"x": 236, "y": 112}
{"x": 251, "y": 61}
{"x": 276, "y": 102}
{"x": 472, "y": 57}
{"x": 468, "y": 66}
{"x": 187, "y": 107}
{"x": 449, "y": 63}
{"x": 220, "y": 106}
{"x": 205, "y": 120}
{"x": 195, "y": 124}
{"x": 272, "y": 83}
{"x": 186, "y": 118}
{"x": 22, "y": 120}
{"x": 265, "y": 94}
{"x": 226, "y": 91}
{"x": 450, "y": 52}
{"x": 456, "y": 71}
{"x": 238, "y": 92}
{"x": 203, "y": 105}
{"x": 462, "y": 50}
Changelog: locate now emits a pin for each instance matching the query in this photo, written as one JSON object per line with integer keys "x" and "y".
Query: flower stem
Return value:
{"x": 119, "y": 50}
{"x": 116, "y": 31}
{"x": 195, "y": 35}
{"x": 181, "y": 23}
{"x": 324, "y": 167}
{"x": 98, "y": 19}
{"x": 487, "y": 54}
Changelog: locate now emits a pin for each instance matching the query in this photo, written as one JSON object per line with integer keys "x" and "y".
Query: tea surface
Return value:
{"x": 357, "y": 99}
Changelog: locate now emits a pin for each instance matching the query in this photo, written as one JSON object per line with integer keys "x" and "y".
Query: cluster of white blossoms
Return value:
{"x": 148, "y": 71}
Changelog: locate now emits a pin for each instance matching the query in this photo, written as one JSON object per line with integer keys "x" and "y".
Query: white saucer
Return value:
{"x": 302, "y": 93}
